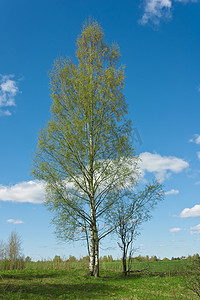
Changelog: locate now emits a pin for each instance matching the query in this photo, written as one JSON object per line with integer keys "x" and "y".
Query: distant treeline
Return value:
{"x": 20, "y": 263}
{"x": 11, "y": 257}
{"x": 109, "y": 258}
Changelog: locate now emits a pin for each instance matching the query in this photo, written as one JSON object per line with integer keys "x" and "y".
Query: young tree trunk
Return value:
{"x": 124, "y": 262}
{"x": 124, "y": 266}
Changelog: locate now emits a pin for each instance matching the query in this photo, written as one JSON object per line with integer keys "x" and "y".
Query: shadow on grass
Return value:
{"x": 65, "y": 285}
{"x": 86, "y": 290}
{"x": 31, "y": 275}
{"x": 155, "y": 274}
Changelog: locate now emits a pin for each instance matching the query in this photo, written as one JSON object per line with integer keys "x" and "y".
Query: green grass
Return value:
{"x": 72, "y": 283}
{"x": 168, "y": 267}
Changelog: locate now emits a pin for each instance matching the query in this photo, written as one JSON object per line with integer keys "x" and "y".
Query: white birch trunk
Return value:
{"x": 96, "y": 260}
{"x": 92, "y": 254}
{"x": 92, "y": 240}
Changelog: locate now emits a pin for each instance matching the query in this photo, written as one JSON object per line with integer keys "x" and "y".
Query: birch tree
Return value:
{"x": 85, "y": 155}
{"x": 128, "y": 214}
{"x": 14, "y": 248}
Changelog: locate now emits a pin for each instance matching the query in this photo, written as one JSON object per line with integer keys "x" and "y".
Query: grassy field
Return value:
{"x": 46, "y": 280}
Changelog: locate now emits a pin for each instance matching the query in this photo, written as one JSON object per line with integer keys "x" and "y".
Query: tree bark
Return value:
{"x": 96, "y": 261}
{"x": 94, "y": 247}
{"x": 92, "y": 253}
{"x": 124, "y": 262}
{"x": 93, "y": 234}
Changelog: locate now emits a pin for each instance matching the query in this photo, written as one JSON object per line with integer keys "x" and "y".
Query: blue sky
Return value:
{"x": 160, "y": 47}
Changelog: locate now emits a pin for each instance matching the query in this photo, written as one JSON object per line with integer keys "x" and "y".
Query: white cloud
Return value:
{"x": 197, "y": 183}
{"x": 198, "y": 154}
{"x": 155, "y": 10}
{"x": 34, "y": 191}
{"x": 5, "y": 113}
{"x": 176, "y": 229}
{"x": 30, "y": 191}
{"x": 162, "y": 166}
{"x": 15, "y": 221}
{"x": 195, "y": 229}
{"x": 195, "y": 139}
{"x": 172, "y": 192}
{"x": 193, "y": 212}
{"x": 8, "y": 91}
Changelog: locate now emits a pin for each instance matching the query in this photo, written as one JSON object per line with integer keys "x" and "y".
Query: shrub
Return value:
{"x": 57, "y": 259}
{"x": 72, "y": 259}
{"x": 191, "y": 276}
{"x": 27, "y": 259}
